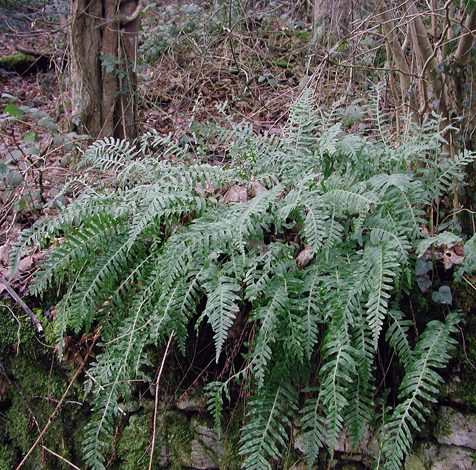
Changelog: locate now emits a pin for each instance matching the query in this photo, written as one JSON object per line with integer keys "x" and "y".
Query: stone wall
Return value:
{"x": 191, "y": 441}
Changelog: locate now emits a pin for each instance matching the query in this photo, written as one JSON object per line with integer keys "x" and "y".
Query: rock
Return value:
{"x": 195, "y": 403}
{"x": 440, "y": 457}
{"x": 344, "y": 444}
{"x": 201, "y": 458}
{"x": 212, "y": 448}
{"x": 454, "y": 428}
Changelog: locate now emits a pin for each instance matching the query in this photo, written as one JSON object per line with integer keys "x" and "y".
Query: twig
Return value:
{"x": 156, "y": 401}
{"x": 464, "y": 348}
{"x": 58, "y": 406}
{"x": 23, "y": 305}
{"x": 61, "y": 458}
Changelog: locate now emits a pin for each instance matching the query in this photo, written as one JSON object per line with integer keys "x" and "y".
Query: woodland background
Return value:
{"x": 75, "y": 72}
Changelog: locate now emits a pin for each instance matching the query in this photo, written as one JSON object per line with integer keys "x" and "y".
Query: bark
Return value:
{"x": 427, "y": 53}
{"x": 462, "y": 54}
{"x": 103, "y": 42}
{"x": 399, "y": 57}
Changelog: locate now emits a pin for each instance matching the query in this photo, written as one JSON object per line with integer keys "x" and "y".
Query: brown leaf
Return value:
{"x": 257, "y": 188}
{"x": 450, "y": 258}
{"x": 5, "y": 253}
{"x": 304, "y": 257}
{"x": 231, "y": 194}
{"x": 235, "y": 194}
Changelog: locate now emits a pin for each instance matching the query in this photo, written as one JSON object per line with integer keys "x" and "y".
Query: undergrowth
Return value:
{"x": 310, "y": 236}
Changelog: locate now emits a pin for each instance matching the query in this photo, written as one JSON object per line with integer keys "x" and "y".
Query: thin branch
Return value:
{"x": 67, "y": 462}
{"x": 23, "y": 305}
{"x": 156, "y": 399}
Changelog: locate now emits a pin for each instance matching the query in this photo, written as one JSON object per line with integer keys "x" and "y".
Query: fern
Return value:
{"x": 316, "y": 260}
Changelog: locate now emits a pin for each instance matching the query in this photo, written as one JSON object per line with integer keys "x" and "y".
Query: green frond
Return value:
{"x": 275, "y": 261}
{"x": 99, "y": 209}
{"x": 336, "y": 376}
{"x": 382, "y": 267}
{"x": 275, "y": 300}
{"x": 269, "y": 414}
{"x": 111, "y": 374}
{"x": 110, "y": 154}
{"x": 163, "y": 208}
{"x": 420, "y": 384}
{"x": 441, "y": 175}
{"x": 222, "y": 305}
{"x": 251, "y": 220}
{"x": 311, "y": 310}
{"x": 397, "y": 337}
{"x": 358, "y": 414}
{"x": 76, "y": 251}
{"x": 469, "y": 264}
{"x": 314, "y": 425}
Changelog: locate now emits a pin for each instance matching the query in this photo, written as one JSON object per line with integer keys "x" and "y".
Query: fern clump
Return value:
{"x": 310, "y": 236}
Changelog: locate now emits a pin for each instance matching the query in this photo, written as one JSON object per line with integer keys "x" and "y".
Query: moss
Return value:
{"x": 231, "y": 442}
{"x": 32, "y": 383}
{"x": 133, "y": 446}
{"x": 12, "y": 62}
{"x": 178, "y": 428}
{"x": 462, "y": 388}
{"x": 418, "y": 460}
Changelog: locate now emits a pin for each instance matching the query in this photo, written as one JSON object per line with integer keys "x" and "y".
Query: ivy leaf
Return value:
{"x": 13, "y": 110}
{"x": 443, "y": 296}
{"x": 31, "y": 137}
{"x": 423, "y": 266}
{"x": 424, "y": 283}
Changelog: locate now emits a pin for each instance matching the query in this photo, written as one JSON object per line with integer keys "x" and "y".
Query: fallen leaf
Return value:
{"x": 304, "y": 257}
{"x": 235, "y": 194}
{"x": 5, "y": 253}
{"x": 257, "y": 188}
{"x": 450, "y": 258}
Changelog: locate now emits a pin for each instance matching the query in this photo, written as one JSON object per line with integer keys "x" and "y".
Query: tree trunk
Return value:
{"x": 103, "y": 41}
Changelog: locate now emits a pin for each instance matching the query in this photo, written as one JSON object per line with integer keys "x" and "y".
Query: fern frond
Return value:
{"x": 314, "y": 425}
{"x": 311, "y": 315}
{"x": 163, "y": 207}
{"x": 251, "y": 221}
{"x": 274, "y": 301}
{"x": 469, "y": 263}
{"x": 117, "y": 366}
{"x": 358, "y": 414}
{"x": 382, "y": 267}
{"x": 397, "y": 337}
{"x": 106, "y": 207}
{"x": 222, "y": 306}
{"x": 441, "y": 176}
{"x": 109, "y": 154}
{"x": 419, "y": 384}
{"x": 75, "y": 252}
{"x": 269, "y": 414}
{"x": 336, "y": 376}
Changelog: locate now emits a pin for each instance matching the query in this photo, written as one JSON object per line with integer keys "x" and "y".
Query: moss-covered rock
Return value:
{"x": 133, "y": 447}
{"x": 32, "y": 383}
